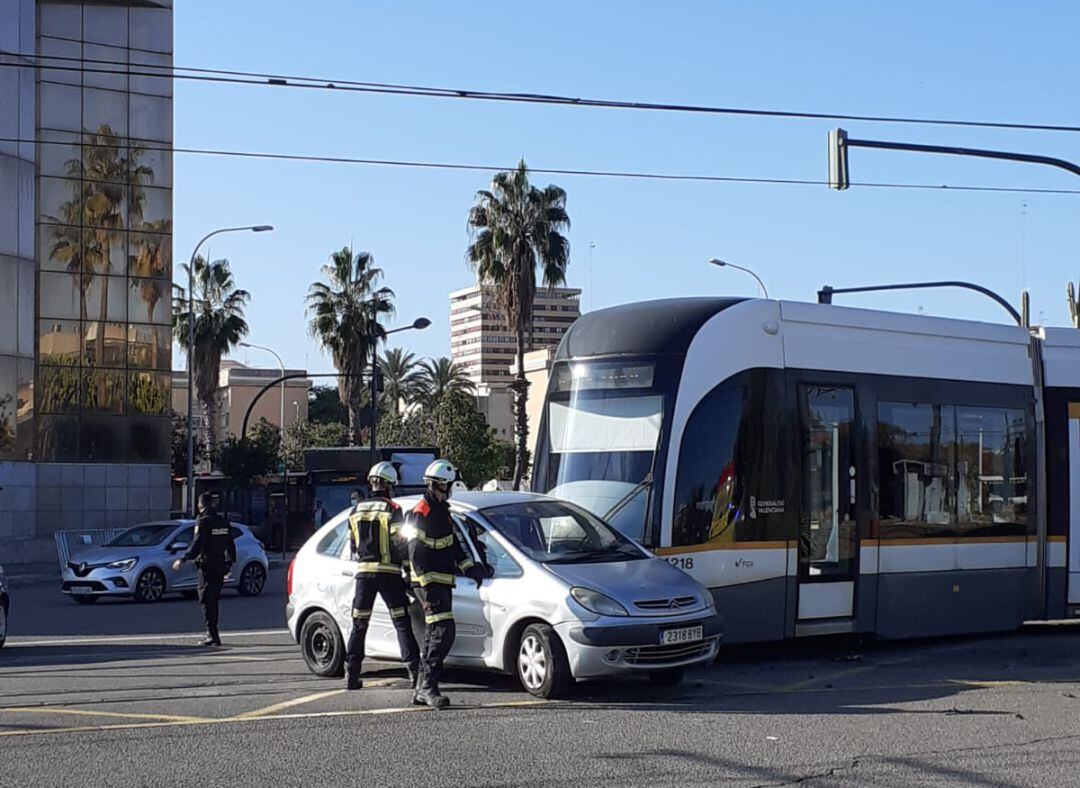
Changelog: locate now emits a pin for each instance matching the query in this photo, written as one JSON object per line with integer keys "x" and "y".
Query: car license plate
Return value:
{"x": 671, "y": 637}
{"x": 81, "y": 589}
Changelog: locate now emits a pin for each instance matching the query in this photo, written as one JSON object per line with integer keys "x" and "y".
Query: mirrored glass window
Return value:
{"x": 148, "y": 440}
{"x": 105, "y": 112}
{"x": 104, "y": 251}
{"x": 61, "y": 247}
{"x": 61, "y": 295}
{"x": 103, "y": 439}
{"x": 156, "y": 209}
{"x": 60, "y": 19}
{"x": 150, "y": 255}
{"x": 64, "y": 55}
{"x": 151, "y": 29}
{"x": 59, "y": 342}
{"x": 151, "y": 118}
{"x": 106, "y": 24}
{"x": 149, "y": 347}
{"x": 8, "y": 406}
{"x": 106, "y": 67}
{"x": 9, "y": 305}
{"x": 24, "y": 410}
{"x": 145, "y": 66}
{"x": 58, "y": 389}
{"x": 104, "y": 347}
{"x": 60, "y": 200}
{"x": 107, "y": 298}
{"x": 27, "y": 306}
{"x": 60, "y": 106}
{"x": 148, "y": 300}
{"x": 103, "y": 391}
{"x": 58, "y": 438}
{"x": 149, "y": 393}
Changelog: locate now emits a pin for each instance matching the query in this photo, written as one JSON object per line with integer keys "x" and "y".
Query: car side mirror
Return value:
{"x": 176, "y": 547}
{"x": 489, "y": 571}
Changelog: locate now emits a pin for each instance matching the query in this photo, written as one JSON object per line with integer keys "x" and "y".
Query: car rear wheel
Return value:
{"x": 667, "y": 678}
{"x": 542, "y": 665}
{"x": 85, "y": 599}
{"x": 150, "y": 586}
{"x": 322, "y": 645}
{"x": 252, "y": 579}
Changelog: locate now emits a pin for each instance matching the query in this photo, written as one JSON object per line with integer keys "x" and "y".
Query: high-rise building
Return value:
{"x": 483, "y": 345}
{"x": 85, "y": 267}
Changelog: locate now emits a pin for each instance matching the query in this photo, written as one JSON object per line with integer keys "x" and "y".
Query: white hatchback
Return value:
{"x": 567, "y": 598}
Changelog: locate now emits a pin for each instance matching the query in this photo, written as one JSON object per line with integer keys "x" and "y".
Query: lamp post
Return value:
{"x": 724, "y": 264}
{"x": 281, "y": 414}
{"x": 259, "y": 228}
{"x": 419, "y": 324}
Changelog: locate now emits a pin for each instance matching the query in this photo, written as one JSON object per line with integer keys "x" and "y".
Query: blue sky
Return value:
{"x": 1001, "y": 61}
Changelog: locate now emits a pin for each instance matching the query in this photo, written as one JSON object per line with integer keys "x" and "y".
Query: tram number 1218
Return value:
{"x": 681, "y": 561}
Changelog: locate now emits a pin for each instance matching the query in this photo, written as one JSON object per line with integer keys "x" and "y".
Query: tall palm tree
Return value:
{"x": 400, "y": 378}
{"x": 219, "y": 326}
{"x": 441, "y": 377}
{"x": 344, "y": 318}
{"x": 147, "y": 263}
{"x": 515, "y": 229}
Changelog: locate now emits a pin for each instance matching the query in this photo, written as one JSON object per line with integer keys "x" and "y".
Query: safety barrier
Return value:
{"x": 71, "y": 543}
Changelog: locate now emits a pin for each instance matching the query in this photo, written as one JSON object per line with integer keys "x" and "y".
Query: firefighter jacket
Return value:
{"x": 435, "y": 548}
{"x": 213, "y": 546}
{"x": 373, "y": 533}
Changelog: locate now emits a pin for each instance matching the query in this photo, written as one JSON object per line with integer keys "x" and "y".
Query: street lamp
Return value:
{"x": 259, "y": 228}
{"x": 724, "y": 264}
{"x": 281, "y": 415}
{"x": 419, "y": 324}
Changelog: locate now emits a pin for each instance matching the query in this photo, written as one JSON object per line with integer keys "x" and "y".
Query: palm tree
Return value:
{"x": 344, "y": 318}
{"x": 400, "y": 379}
{"x": 515, "y": 228}
{"x": 219, "y": 326}
{"x": 439, "y": 378}
{"x": 148, "y": 263}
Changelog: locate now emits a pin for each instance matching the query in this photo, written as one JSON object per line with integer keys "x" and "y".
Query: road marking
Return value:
{"x": 800, "y": 685}
{"x": 87, "y": 713}
{"x": 237, "y": 720}
{"x": 288, "y": 704}
{"x": 91, "y": 640}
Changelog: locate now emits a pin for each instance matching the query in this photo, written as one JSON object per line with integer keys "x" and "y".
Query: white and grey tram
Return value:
{"x": 824, "y": 469}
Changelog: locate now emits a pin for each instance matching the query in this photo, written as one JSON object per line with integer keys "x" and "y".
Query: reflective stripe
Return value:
{"x": 366, "y": 567}
{"x": 357, "y": 613}
{"x": 397, "y": 612}
{"x": 438, "y": 617}
{"x": 433, "y": 577}
{"x": 435, "y": 544}
{"x": 466, "y": 564}
{"x": 384, "y": 538}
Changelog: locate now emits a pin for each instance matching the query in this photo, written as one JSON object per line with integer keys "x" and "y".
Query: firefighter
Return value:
{"x": 214, "y": 552}
{"x": 378, "y": 549}
{"x": 435, "y": 552}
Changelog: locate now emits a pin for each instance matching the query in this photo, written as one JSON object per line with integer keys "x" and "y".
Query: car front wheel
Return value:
{"x": 322, "y": 645}
{"x": 542, "y": 665}
{"x": 150, "y": 586}
{"x": 252, "y": 580}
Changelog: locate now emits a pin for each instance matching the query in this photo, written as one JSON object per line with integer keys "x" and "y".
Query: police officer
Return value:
{"x": 378, "y": 550}
{"x": 214, "y": 553}
{"x": 435, "y": 551}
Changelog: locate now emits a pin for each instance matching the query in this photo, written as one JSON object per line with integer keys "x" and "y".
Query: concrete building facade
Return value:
{"x": 85, "y": 268}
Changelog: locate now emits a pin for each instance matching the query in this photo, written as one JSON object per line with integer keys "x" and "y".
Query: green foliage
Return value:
{"x": 148, "y": 393}
{"x": 441, "y": 377}
{"x": 243, "y": 460}
{"x": 60, "y": 384}
{"x": 179, "y": 446}
{"x": 324, "y": 406}
{"x": 308, "y": 435}
{"x": 7, "y": 425}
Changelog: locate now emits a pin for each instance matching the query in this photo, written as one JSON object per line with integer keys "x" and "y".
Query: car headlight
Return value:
{"x": 595, "y": 602}
{"x": 123, "y": 565}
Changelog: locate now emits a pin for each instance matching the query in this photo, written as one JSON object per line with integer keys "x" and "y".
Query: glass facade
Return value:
{"x": 104, "y": 242}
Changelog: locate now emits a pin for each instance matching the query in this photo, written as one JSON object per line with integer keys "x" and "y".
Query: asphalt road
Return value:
{"x": 134, "y": 708}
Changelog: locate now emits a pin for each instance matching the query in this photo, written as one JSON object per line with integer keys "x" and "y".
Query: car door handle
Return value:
{"x": 346, "y": 573}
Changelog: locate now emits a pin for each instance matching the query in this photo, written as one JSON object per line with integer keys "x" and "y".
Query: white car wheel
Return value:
{"x": 542, "y": 665}
{"x": 532, "y": 663}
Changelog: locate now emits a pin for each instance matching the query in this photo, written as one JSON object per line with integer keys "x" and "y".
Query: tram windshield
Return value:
{"x": 603, "y": 425}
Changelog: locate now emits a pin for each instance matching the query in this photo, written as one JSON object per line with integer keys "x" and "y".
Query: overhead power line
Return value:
{"x": 437, "y": 165}
{"x": 223, "y": 76}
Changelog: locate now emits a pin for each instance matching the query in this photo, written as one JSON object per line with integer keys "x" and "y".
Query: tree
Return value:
{"x": 517, "y": 228}
{"x": 441, "y": 377}
{"x": 309, "y": 435}
{"x": 400, "y": 379}
{"x": 243, "y": 460}
{"x": 219, "y": 327}
{"x": 344, "y": 318}
{"x": 324, "y": 406}
{"x": 179, "y": 446}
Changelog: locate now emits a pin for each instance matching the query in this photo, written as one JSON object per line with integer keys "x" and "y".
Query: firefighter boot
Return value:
{"x": 427, "y": 692}
{"x": 352, "y": 677}
{"x": 413, "y": 671}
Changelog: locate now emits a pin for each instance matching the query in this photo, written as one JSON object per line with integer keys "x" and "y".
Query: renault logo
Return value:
{"x": 82, "y": 567}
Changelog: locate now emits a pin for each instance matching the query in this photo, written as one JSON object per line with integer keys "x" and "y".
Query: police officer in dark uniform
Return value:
{"x": 379, "y": 550}
{"x": 435, "y": 552}
{"x": 214, "y": 553}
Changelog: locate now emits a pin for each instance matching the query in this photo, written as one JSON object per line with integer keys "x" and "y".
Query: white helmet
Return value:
{"x": 383, "y": 471}
{"x": 441, "y": 472}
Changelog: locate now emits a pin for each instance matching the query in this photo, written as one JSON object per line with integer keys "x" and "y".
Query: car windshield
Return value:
{"x": 143, "y": 535}
{"x": 553, "y": 532}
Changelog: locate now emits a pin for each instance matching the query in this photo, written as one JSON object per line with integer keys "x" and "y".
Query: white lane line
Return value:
{"x": 92, "y": 640}
{"x": 88, "y": 713}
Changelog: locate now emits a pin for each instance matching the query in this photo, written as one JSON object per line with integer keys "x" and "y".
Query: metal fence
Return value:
{"x": 69, "y": 543}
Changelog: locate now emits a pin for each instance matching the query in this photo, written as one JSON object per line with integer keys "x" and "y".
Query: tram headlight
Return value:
{"x": 598, "y": 603}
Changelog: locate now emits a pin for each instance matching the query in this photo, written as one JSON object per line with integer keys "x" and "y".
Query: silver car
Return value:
{"x": 138, "y": 563}
{"x": 567, "y": 598}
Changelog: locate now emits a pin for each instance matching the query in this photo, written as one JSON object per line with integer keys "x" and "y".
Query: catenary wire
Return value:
{"x": 224, "y": 76}
{"x": 435, "y": 165}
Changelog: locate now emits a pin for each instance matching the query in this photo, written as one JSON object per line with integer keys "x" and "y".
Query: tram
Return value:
{"x": 824, "y": 469}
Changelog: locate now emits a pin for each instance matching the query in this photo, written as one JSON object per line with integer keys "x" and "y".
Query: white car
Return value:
{"x": 567, "y": 598}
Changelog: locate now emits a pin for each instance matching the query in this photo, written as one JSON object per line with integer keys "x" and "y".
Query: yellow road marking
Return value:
{"x": 265, "y": 717}
{"x": 288, "y": 704}
{"x": 88, "y": 713}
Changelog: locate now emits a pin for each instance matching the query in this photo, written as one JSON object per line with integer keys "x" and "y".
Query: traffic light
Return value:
{"x": 838, "y": 162}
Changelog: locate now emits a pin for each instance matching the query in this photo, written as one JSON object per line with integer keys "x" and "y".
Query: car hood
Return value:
{"x": 104, "y": 555}
{"x": 630, "y": 581}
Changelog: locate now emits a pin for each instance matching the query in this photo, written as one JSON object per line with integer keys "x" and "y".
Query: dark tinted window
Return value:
{"x": 334, "y": 540}
{"x": 143, "y": 535}
{"x": 951, "y": 470}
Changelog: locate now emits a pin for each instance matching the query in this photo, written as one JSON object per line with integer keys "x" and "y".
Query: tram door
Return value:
{"x": 828, "y": 536}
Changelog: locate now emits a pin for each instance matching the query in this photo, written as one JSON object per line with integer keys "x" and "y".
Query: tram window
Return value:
{"x": 710, "y": 489}
{"x": 950, "y": 470}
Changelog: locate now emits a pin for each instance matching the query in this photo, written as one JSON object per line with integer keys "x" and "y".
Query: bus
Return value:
{"x": 824, "y": 469}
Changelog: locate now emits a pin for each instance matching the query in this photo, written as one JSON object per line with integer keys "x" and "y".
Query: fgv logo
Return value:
{"x": 743, "y": 563}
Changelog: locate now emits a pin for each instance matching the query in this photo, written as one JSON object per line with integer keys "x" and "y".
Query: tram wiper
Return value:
{"x": 622, "y": 502}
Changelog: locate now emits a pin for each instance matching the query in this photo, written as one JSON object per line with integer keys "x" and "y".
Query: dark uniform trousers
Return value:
{"x": 391, "y": 587}
{"x": 439, "y": 628}
{"x": 211, "y": 579}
